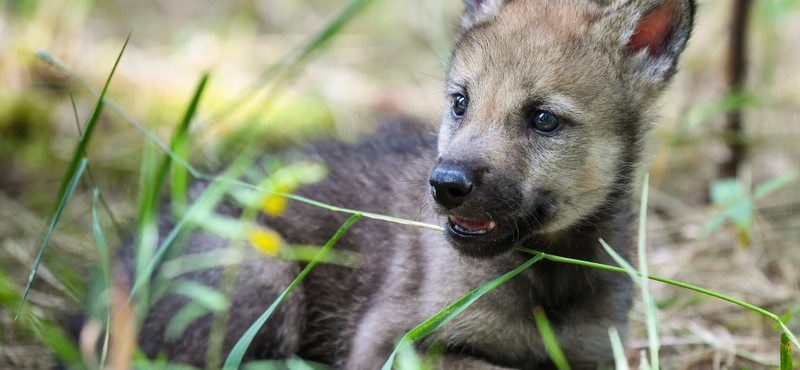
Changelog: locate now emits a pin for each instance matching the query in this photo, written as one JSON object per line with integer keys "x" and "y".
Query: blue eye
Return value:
{"x": 459, "y": 105}
{"x": 545, "y": 121}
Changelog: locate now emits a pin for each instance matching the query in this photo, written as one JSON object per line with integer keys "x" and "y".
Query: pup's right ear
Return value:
{"x": 650, "y": 34}
{"x": 477, "y": 11}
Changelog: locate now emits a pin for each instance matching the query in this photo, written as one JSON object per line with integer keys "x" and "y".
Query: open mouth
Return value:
{"x": 464, "y": 227}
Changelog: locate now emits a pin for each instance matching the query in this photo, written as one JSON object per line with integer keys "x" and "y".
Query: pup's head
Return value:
{"x": 547, "y": 105}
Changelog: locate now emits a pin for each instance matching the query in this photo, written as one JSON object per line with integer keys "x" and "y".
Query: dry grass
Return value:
{"x": 389, "y": 61}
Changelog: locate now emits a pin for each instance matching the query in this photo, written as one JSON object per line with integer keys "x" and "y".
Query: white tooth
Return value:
{"x": 465, "y": 230}
{"x": 473, "y": 232}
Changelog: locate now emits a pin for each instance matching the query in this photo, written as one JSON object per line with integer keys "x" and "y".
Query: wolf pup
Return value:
{"x": 548, "y": 103}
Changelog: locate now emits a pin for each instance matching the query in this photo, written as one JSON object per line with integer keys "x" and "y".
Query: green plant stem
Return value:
{"x": 375, "y": 216}
{"x": 650, "y": 306}
{"x": 679, "y": 284}
{"x": 105, "y": 267}
{"x": 786, "y": 353}
{"x": 620, "y": 361}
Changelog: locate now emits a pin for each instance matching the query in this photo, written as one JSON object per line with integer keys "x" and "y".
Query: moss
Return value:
{"x": 25, "y": 132}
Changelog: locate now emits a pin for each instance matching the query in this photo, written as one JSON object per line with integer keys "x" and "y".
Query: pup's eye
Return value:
{"x": 459, "y": 105}
{"x": 546, "y": 122}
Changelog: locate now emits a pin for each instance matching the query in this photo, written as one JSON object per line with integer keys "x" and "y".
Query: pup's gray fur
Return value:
{"x": 597, "y": 67}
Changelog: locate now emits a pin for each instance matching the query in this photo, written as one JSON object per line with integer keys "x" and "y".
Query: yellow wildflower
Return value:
{"x": 266, "y": 241}
{"x": 273, "y": 204}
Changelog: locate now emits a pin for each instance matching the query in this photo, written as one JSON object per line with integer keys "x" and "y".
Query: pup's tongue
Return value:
{"x": 472, "y": 227}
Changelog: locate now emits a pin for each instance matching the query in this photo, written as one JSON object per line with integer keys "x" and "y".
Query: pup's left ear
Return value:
{"x": 476, "y": 11}
{"x": 650, "y": 34}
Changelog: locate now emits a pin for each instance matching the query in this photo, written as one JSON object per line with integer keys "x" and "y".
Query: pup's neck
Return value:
{"x": 613, "y": 222}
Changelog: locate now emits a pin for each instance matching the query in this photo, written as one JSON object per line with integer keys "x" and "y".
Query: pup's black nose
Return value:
{"x": 450, "y": 185}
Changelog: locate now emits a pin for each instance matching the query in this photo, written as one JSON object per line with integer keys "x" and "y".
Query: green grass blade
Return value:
{"x": 86, "y": 137}
{"x": 320, "y": 39}
{"x": 200, "y": 261}
{"x": 204, "y": 295}
{"x": 179, "y": 176}
{"x": 58, "y": 341}
{"x": 620, "y": 361}
{"x": 786, "y": 353}
{"x": 58, "y": 64}
{"x": 237, "y": 353}
{"x": 295, "y": 58}
{"x": 643, "y": 363}
{"x": 727, "y": 103}
{"x": 409, "y": 359}
{"x": 181, "y": 320}
{"x": 290, "y": 364}
{"x": 678, "y": 284}
{"x": 105, "y": 263}
{"x": 298, "y": 364}
{"x": 114, "y": 222}
{"x": 649, "y": 305}
{"x": 152, "y": 178}
{"x": 54, "y": 220}
{"x": 451, "y": 311}
{"x": 550, "y": 341}
{"x": 773, "y": 185}
{"x": 641, "y": 277}
{"x": 332, "y": 208}
{"x": 629, "y": 269}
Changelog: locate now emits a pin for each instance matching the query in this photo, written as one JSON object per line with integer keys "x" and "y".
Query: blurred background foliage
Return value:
{"x": 389, "y": 60}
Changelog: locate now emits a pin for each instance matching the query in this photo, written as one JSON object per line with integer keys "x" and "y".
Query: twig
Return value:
{"x": 737, "y": 66}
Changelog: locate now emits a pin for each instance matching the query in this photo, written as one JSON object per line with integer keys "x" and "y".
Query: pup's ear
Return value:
{"x": 476, "y": 11}
{"x": 650, "y": 34}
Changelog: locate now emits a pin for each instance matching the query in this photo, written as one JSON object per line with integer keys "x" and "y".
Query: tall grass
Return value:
{"x": 73, "y": 174}
{"x": 221, "y": 184}
{"x": 175, "y": 163}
